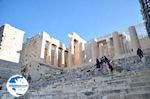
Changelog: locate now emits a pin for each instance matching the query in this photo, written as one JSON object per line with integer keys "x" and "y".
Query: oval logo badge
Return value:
{"x": 17, "y": 85}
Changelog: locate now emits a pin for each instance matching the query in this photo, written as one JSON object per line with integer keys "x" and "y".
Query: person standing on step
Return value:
{"x": 0, "y": 91}
{"x": 0, "y": 86}
{"x": 107, "y": 63}
{"x": 29, "y": 78}
{"x": 98, "y": 63}
{"x": 140, "y": 53}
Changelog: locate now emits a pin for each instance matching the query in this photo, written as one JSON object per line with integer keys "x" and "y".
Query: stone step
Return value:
{"x": 123, "y": 84}
{"x": 109, "y": 81}
{"x": 127, "y": 96}
{"x": 115, "y": 94}
{"x": 96, "y": 88}
{"x": 84, "y": 86}
{"x": 126, "y": 75}
{"x": 113, "y": 80}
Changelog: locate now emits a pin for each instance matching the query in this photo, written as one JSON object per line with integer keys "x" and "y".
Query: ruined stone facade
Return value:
{"x": 45, "y": 49}
{"x": 42, "y": 48}
{"x": 111, "y": 46}
{"x": 54, "y": 67}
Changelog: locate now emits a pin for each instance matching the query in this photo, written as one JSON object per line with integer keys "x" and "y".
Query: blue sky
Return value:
{"x": 89, "y": 18}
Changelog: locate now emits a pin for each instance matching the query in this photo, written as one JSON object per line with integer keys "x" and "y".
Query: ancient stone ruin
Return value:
{"x": 69, "y": 72}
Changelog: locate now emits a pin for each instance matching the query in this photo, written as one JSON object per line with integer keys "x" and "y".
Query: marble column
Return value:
{"x": 117, "y": 44}
{"x": 101, "y": 50}
{"x": 122, "y": 44}
{"x": 76, "y": 54}
{"x": 42, "y": 49}
{"x": 71, "y": 52}
{"x": 135, "y": 43}
{"x": 49, "y": 52}
{"x": 94, "y": 50}
{"x": 63, "y": 58}
{"x": 81, "y": 53}
{"x": 66, "y": 59}
{"x": 56, "y": 56}
{"x": 109, "y": 46}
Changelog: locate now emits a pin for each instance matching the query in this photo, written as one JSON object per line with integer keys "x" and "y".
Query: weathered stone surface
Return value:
{"x": 125, "y": 85}
{"x": 44, "y": 58}
{"x": 11, "y": 40}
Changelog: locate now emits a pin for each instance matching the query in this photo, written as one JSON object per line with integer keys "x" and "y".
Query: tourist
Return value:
{"x": 23, "y": 72}
{"x": 102, "y": 60}
{"x": 110, "y": 67}
{"x": 0, "y": 86}
{"x": 140, "y": 53}
{"x": 4, "y": 86}
{"x": 97, "y": 63}
{"x": 29, "y": 78}
{"x": 107, "y": 63}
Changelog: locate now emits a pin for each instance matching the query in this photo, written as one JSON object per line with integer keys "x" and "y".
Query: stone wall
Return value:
{"x": 31, "y": 50}
{"x": 7, "y": 69}
{"x": 11, "y": 40}
{"x": 145, "y": 43}
{"x": 44, "y": 49}
{"x": 38, "y": 70}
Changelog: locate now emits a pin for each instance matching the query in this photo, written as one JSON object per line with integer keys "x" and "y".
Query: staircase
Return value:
{"x": 133, "y": 84}
{"x": 90, "y": 83}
